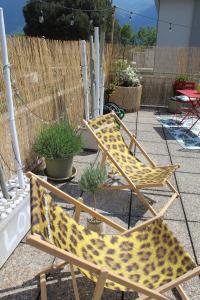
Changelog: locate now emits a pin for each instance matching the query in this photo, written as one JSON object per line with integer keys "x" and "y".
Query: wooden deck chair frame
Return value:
{"x": 103, "y": 275}
{"x": 135, "y": 189}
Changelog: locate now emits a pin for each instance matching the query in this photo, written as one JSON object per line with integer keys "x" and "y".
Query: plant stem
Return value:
{"x": 95, "y": 201}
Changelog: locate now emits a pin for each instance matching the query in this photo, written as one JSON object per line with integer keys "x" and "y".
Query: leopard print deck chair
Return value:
{"x": 137, "y": 175}
{"x": 151, "y": 256}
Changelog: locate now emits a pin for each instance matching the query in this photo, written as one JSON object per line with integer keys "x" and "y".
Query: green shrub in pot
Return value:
{"x": 58, "y": 143}
{"x": 91, "y": 181}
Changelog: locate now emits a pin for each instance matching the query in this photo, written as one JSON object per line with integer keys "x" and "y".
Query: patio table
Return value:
{"x": 194, "y": 102}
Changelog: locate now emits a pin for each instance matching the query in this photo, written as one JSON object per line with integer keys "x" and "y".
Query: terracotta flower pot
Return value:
{"x": 129, "y": 98}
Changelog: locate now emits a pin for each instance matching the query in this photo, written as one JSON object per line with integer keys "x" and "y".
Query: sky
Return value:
{"x": 14, "y": 20}
{"x": 145, "y": 7}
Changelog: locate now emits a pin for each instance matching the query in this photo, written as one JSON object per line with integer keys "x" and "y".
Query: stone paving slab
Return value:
{"x": 174, "y": 212}
{"x": 191, "y": 205}
{"x": 177, "y": 150}
{"x": 150, "y": 136}
{"x": 188, "y": 165}
{"x": 85, "y": 157}
{"x": 195, "y": 231}
{"x": 188, "y": 183}
{"x": 21, "y": 268}
{"x": 154, "y": 148}
{"x": 159, "y": 159}
{"x": 130, "y": 118}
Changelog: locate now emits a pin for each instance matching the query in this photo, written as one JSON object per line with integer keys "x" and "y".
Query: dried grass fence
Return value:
{"x": 47, "y": 86}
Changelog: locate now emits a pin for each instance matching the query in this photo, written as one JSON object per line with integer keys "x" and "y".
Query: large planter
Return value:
{"x": 129, "y": 98}
{"x": 14, "y": 228}
{"x": 87, "y": 139}
{"x": 59, "y": 168}
{"x": 174, "y": 107}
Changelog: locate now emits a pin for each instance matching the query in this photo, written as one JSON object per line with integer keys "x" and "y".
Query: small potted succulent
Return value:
{"x": 128, "y": 91}
{"x": 58, "y": 143}
{"x": 91, "y": 181}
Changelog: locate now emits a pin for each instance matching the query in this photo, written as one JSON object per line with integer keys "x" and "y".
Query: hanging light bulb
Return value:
{"x": 72, "y": 21}
{"x": 130, "y": 17}
{"x": 41, "y": 17}
{"x": 170, "y": 26}
{"x": 91, "y": 21}
{"x": 113, "y": 11}
{"x": 103, "y": 19}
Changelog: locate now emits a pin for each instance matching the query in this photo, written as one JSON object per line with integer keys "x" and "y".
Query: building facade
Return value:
{"x": 185, "y": 12}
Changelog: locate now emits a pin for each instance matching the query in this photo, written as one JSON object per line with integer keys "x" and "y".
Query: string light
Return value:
{"x": 103, "y": 19}
{"x": 130, "y": 17}
{"x": 91, "y": 21}
{"x": 41, "y": 17}
{"x": 113, "y": 9}
{"x": 151, "y": 18}
{"x": 72, "y": 20}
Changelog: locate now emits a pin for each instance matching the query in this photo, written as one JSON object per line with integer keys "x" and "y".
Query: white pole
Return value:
{"x": 6, "y": 71}
{"x": 102, "y": 88}
{"x": 96, "y": 37}
{"x": 102, "y": 41}
{"x": 85, "y": 78}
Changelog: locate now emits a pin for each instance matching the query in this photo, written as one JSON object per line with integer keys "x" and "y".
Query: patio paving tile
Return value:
{"x": 177, "y": 150}
{"x": 154, "y": 148}
{"x": 188, "y": 183}
{"x": 174, "y": 212}
{"x": 131, "y": 126}
{"x": 191, "y": 205}
{"x": 80, "y": 167}
{"x": 22, "y": 266}
{"x": 86, "y": 157}
{"x": 111, "y": 202}
{"x": 130, "y": 117}
{"x": 159, "y": 159}
{"x": 150, "y": 136}
{"x": 152, "y": 128}
{"x": 188, "y": 165}
{"x": 195, "y": 230}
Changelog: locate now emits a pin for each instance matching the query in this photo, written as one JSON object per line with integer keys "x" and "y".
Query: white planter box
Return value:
{"x": 88, "y": 141}
{"x": 14, "y": 228}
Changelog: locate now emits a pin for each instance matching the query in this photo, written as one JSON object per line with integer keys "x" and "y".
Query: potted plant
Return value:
{"x": 91, "y": 181}
{"x": 58, "y": 143}
{"x": 128, "y": 91}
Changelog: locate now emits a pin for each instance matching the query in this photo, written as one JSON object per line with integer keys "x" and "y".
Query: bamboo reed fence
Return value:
{"x": 47, "y": 86}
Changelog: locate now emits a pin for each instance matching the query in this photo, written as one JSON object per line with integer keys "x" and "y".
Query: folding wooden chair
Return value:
{"x": 117, "y": 154}
{"x": 147, "y": 259}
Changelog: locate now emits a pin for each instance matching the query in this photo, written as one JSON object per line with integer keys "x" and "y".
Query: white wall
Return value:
{"x": 195, "y": 35}
{"x": 175, "y": 11}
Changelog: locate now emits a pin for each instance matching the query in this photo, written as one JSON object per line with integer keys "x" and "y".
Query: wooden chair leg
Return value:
{"x": 74, "y": 283}
{"x": 182, "y": 292}
{"x": 100, "y": 285}
{"x": 43, "y": 286}
{"x": 172, "y": 188}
